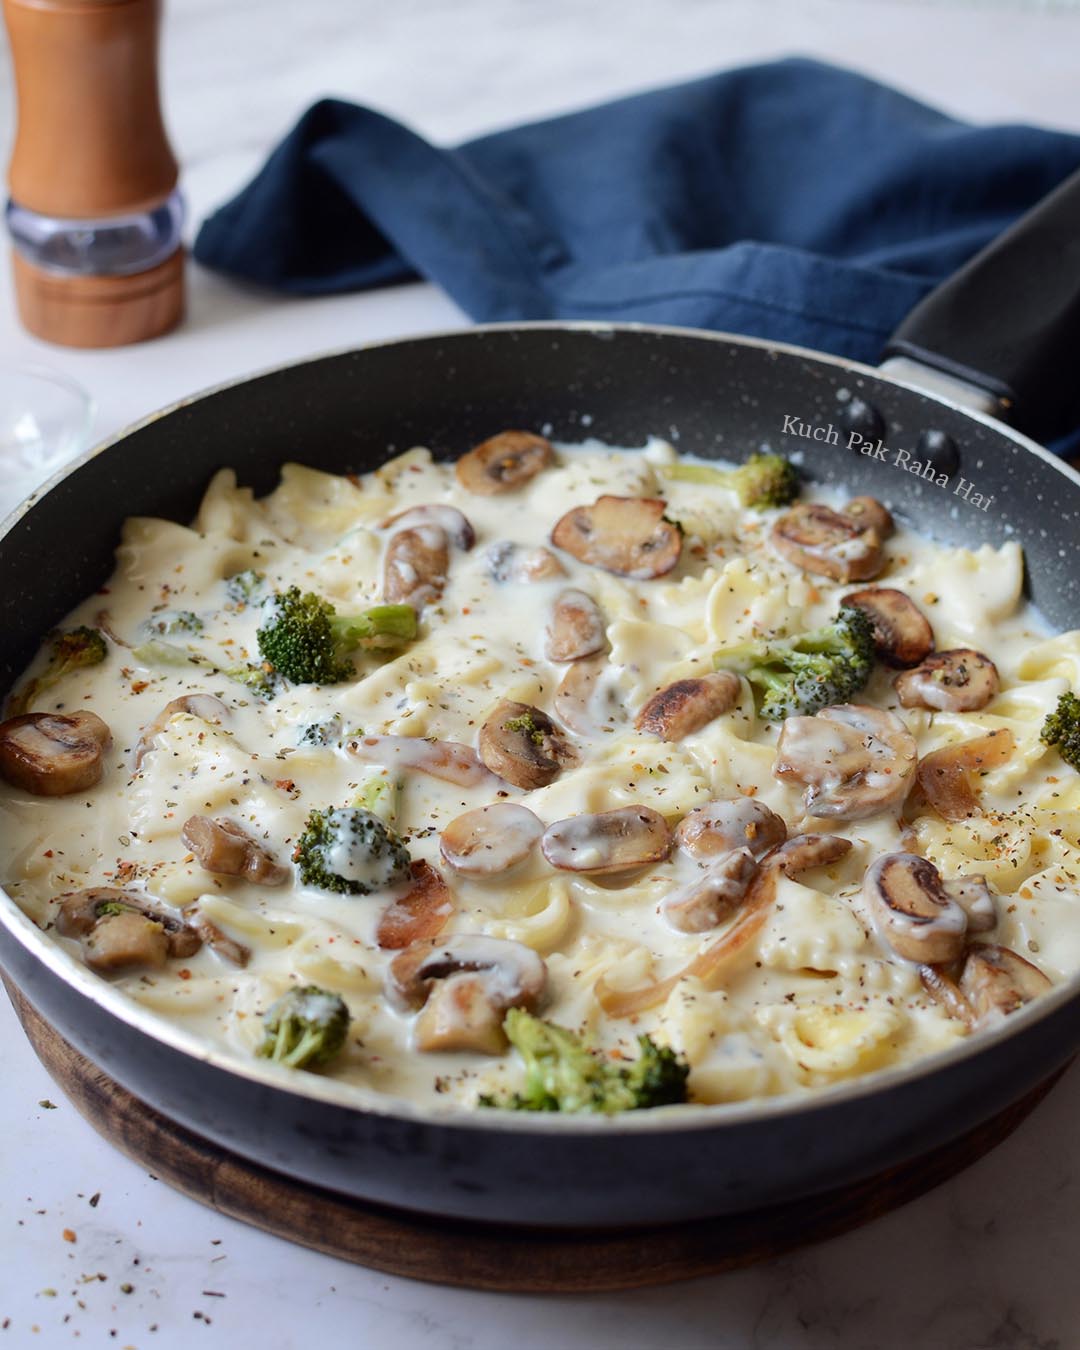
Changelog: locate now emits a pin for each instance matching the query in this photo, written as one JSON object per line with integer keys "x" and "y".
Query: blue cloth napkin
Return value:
{"x": 792, "y": 201}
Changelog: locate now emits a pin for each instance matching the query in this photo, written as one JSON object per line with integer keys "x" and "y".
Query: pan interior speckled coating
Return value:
{"x": 710, "y": 394}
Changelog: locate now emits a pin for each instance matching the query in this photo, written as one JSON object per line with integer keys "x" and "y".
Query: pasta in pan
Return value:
{"x": 569, "y": 754}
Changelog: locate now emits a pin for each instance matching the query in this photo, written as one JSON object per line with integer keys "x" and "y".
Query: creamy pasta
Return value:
{"x": 819, "y": 991}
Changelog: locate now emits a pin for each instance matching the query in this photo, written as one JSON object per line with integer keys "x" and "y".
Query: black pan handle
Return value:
{"x": 1009, "y": 320}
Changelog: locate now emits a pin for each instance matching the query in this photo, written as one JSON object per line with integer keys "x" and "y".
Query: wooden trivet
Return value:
{"x": 475, "y": 1255}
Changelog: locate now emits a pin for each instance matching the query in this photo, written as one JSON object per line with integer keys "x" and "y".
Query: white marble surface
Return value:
{"x": 985, "y": 1263}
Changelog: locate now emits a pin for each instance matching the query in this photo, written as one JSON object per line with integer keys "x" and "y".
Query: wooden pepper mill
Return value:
{"x": 94, "y": 213}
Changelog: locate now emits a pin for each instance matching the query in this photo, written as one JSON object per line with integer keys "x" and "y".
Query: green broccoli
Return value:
{"x": 380, "y": 794}
{"x": 246, "y": 588}
{"x": 1062, "y": 728}
{"x": 307, "y": 642}
{"x": 261, "y": 680}
{"x": 328, "y": 732}
{"x": 71, "y": 651}
{"x": 173, "y": 623}
{"x": 799, "y": 675}
{"x": 562, "y": 1073}
{"x": 305, "y": 1028}
{"x": 349, "y": 850}
{"x": 762, "y": 482}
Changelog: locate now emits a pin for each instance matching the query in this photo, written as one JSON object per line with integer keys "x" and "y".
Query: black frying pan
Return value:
{"x": 719, "y": 396}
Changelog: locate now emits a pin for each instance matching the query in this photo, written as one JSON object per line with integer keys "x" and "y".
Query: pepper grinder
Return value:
{"x": 94, "y": 213}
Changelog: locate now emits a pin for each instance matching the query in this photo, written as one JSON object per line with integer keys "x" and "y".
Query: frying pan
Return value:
{"x": 1001, "y": 335}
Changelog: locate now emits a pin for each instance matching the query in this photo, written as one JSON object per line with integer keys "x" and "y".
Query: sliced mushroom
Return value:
{"x": 960, "y": 680}
{"x": 422, "y": 912}
{"x": 870, "y": 514}
{"x": 681, "y": 708}
{"x": 448, "y": 760}
{"x": 504, "y": 462}
{"x": 119, "y": 928}
{"x": 523, "y": 745}
{"x": 946, "y": 994}
{"x": 976, "y": 899}
{"x": 53, "y": 754}
{"x": 224, "y": 847}
{"x": 625, "y": 535}
{"x": 714, "y": 897}
{"x": 510, "y": 562}
{"x": 803, "y": 852}
{"x": 206, "y": 706}
{"x": 915, "y": 915}
{"x": 463, "y": 987}
{"x": 854, "y": 760}
{"x": 218, "y": 942}
{"x": 491, "y": 840}
{"x": 718, "y": 827}
{"x": 996, "y": 981}
{"x": 902, "y": 633}
{"x": 415, "y": 567}
{"x": 577, "y": 628}
{"x": 943, "y": 775}
{"x": 610, "y": 841}
{"x": 585, "y": 701}
{"x": 456, "y": 526}
{"x": 821, "y": 540}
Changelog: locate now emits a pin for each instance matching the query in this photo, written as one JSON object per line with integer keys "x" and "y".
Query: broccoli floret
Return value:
{"x": 562, "y": 1073}
{"x": 762, "y": 482}
{"x": 305, "y": 1028}
{"x": 349, "y": 850}
{"x": 261, "y": 680}
{"x": 1062, "y": 729}
{"x": 381, "y": 795}
{"x": 799, "y": 675}
{"x": 247, "y": 588}
{"x": 170, "y": 625}
{"x": 322, "y": 733}
{"x": 307, "y": 642}
{"x": 74, "y": 650}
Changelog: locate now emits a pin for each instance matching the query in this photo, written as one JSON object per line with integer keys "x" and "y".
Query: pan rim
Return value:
{"x": 355, "y": 1097}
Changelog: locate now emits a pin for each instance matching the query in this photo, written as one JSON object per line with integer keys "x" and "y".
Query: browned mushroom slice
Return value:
{"x": 996, "y": 981}
{"x": 943, "y": 775}
{"x": 455, "y": 525}
{"x": 912, "y": 910}
{"x": 224, "y": 847}
{"x": 714, "y": 897}
{"x": 523, "y": 745}
{"x": 977, "y": 901}
{"x": 577, "y": 628}
{"x": 854, "y": 760}
{"x": 718, "y": 827}
{"x": 960, "y": 680}
{"x": 803, "y": 852}
{"x": 681, "y": 708}
{"x": 415, "y": 567}
{"x": 870, "y": 514}
{"x": 946, "y": 994}
{"x": 218, "y": 942}
{"x": 510, "y": 562}
{"x": 902, "y": 633}
{"x": 625, "y": 535}
{"x": 53, "y": 754}
{"x": 464, "y": 986}
{"x": 820, "y": 540}
{"x": 491, "y": 840}
{"x": 206, "y": 706}
{"x": 448, "y": 760}
{"x": 504, "y": 462}
{"x": 422, "y": 912}
{"x": 610, "y": 841}
{"x": 585, "y": 701}
{"x": 93, "y": 917}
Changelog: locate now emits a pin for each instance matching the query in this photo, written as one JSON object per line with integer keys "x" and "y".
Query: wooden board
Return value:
{"x": 473, "y": 1255}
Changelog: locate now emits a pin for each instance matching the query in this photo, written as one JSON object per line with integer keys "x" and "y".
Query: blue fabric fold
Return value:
{"x": 793, "y": 201}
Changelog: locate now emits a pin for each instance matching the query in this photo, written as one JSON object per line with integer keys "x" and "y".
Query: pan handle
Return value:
{"x": 1009, "y": 321}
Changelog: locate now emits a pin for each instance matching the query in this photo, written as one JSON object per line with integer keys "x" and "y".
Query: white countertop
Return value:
{"x": 988, "y": 1261}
